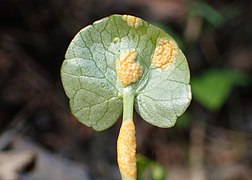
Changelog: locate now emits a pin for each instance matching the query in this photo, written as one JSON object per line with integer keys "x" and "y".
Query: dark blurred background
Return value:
{"x": 41, "y": 140}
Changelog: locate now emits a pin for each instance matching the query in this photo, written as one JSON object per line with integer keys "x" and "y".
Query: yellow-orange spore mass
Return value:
{"x": 164, "y": 53}
{"x": 128, "y": 71}
{"x": 126, "y": 151}
{"x": 132, "y": 21}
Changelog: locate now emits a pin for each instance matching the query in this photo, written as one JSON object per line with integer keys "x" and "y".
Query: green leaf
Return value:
{"x": 184, "y": 121}
{"x": 158, "y": 172}
{"x": 148, "y": 169}
{"x": 142, "y": 165}
{"x": 213, "y": 87}
{"x": 94, "y": 87}
{"x": 213, "y": 16}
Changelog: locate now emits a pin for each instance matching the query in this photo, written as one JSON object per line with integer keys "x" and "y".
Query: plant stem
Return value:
{"x": 126, "y": 142}
{"x": 128, "y": 104}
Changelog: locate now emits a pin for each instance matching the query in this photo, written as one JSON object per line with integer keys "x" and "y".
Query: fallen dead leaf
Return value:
{"x": 12, "y": 162}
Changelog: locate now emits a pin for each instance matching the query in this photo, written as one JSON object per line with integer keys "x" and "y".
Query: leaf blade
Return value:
{"x": 90, "y": 78}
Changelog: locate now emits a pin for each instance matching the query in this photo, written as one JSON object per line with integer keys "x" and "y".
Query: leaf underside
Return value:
{"x": 90, "y": 79}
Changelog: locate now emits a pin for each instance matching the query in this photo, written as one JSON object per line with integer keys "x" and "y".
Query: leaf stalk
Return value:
{"x": 126, "y": 142}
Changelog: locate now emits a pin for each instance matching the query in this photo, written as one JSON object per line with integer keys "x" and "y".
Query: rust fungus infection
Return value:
{"x": 164, "y": 53}
{"x": 132, "y": 21}
{"x": 128, "y": 71}
{"x": 126, "y": 150}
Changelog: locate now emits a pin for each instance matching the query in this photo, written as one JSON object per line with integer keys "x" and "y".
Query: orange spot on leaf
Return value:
{"x": 128, "y": 71}
{"x": 164, "y": 53}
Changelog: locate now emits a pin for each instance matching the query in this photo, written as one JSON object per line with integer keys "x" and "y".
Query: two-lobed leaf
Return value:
{"x": 91, "y": 82}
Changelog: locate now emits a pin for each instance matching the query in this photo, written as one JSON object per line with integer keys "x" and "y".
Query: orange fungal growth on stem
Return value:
{"x": 132, "y": 21}
{"x": 128, "y": 71}
{"x": 126, "y": 150}
{"x": 164, "y": 53}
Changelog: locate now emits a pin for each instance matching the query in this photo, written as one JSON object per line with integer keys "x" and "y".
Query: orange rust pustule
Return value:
{"x": 164, "y": 53}
{"x": 132, "y": 21}
{"x": 128, "y": 71}
{"x": 126, "y": 151}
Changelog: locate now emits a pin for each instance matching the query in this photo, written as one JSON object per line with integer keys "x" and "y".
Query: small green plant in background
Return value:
{"x": 213, "y": 87}
{"x": 149, "y": 170}
{"x": 118, "y": 63}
